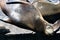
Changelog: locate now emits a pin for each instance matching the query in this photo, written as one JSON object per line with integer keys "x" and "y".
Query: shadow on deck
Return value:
{"x": 37, "y": 36}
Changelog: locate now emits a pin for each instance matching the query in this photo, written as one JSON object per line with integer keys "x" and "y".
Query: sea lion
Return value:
{"x": 29, "y": 16}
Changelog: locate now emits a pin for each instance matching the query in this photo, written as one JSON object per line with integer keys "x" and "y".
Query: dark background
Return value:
{"x": 37, "y": 36}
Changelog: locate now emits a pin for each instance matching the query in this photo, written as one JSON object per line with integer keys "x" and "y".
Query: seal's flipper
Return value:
{"x": 56, "y": 26}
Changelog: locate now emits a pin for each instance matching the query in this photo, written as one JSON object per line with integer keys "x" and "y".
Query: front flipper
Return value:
{"x": 56, "y": 26}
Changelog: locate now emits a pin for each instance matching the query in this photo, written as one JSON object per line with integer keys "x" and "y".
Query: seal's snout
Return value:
{"x": 49, "y": 29}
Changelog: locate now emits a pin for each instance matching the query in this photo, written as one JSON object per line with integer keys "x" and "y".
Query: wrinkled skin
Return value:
{"x": 29, "y": 15}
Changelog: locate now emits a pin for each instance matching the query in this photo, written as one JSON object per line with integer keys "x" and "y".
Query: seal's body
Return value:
{"x": 28, "y": 15}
